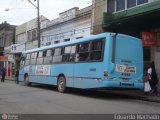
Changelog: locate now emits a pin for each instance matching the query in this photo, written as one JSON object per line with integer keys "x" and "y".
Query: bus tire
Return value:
{"x": 61, "y": 84}
{"x": 26, "y": 80}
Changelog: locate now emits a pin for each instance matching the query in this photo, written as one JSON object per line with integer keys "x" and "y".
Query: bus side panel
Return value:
{"x": 88, "y": 75}
{"x": 63, "y": 69}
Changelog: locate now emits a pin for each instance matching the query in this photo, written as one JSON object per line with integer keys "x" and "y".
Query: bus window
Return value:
{"x": 57, "y": 55}
{"x": 23, "y": 57}
{"x": 96, "y": 50}
{"x": 27, "y": 61}
{"x": 73, "y": 51}
{"x": 83, "y": 47}
{"x": 48, "y": 57}
{"x": 33, "y": 58}
{"x": 82, "y": 52}
{"x": 40, "y": 58}
{"x": 66, "y": 54}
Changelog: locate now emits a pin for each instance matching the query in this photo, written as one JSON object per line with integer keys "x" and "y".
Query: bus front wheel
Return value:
{"x": 61, "y": 84}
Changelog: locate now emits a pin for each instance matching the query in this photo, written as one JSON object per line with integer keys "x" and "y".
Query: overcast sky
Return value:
{"x": 17, "y": 12}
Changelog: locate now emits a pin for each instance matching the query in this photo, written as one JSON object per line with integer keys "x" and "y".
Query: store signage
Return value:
{"x": 3, "y": 58}
{"x": 150, "y": 39}
{"x": 17, "y": 48}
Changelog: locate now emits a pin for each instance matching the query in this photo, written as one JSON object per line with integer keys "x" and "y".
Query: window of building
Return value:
{"x": 131, "y": 3}
{"x": 78, "y": 37}
{"x": 66, "y": 40}
{"x": 56, "y": 42}
{"x": 32, "y": 35}
{"x": 120, "y": 5}
{"x": 141, "y": 2}
{"x": 111, "y": 6}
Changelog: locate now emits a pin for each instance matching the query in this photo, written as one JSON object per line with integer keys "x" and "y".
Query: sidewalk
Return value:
{"x": 136, "y": 94}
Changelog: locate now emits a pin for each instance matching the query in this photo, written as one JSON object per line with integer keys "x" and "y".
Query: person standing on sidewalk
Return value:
{"x": 154, "y": 78}
{"x": 17, "y": 76}
{"x": 3, "y": 73}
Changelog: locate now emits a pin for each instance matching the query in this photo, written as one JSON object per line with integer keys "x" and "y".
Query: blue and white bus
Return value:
{"x": 106, "y": 60}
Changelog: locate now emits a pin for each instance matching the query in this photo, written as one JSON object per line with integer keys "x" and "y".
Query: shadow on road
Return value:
{"x": 98, "y": 94}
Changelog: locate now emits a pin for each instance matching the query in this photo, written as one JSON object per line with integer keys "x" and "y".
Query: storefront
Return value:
{"x": 7, "y": 62}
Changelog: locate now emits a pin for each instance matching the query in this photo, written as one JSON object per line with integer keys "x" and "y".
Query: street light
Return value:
{"x": 38, "y": 21}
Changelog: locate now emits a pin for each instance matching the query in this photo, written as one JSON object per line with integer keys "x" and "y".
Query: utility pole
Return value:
{"x": 38, "y": 21}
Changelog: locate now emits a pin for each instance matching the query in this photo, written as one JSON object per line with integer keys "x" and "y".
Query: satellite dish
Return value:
{"x": 6, "y": 9}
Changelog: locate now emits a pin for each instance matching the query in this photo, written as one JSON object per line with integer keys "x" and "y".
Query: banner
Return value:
{"x": 150, "y": 39}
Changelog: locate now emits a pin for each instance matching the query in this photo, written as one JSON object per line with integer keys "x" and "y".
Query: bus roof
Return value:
{"x": 91, "y": 37}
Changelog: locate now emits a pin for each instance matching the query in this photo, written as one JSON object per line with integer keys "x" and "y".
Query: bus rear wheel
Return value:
{"x": 26, "y": 80}
{"x": 61, "y": 84}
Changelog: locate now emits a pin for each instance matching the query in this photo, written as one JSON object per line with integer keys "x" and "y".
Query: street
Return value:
{"x": 44, "y": 99}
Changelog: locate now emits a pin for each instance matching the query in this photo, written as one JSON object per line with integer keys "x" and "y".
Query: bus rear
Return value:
{"x": 125, "y": 68}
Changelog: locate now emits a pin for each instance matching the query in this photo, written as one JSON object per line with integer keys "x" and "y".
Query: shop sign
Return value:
{"x": 150, "y": 39}
{"x": 17, "y": 48}
{"x": 3, "y": 58}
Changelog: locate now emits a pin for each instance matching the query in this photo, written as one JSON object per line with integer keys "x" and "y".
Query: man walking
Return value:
{"x": 3, "y": 73}
{"x": 17, "y": 76}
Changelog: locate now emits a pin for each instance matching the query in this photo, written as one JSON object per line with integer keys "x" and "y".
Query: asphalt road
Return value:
{"x": 44, "y": 99}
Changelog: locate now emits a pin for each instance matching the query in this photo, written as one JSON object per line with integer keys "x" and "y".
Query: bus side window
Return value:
{"x": 27, "y": 61}
{"x": 96, "y": 50}
{"x": 33, "y": 58}
{"x": 57, "y": 55}
{"x": 73, "y": 52}
{"x": 82, "y": 51}
{"x": 48, "y": 56}
{"x": 23, "y": 57}
{"x": 66, "y": 54}
{"x": 40, "y": 58}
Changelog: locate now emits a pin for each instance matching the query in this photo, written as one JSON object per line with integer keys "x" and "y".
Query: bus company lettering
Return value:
{"x": 43, "y": 70}
{"x": 125, "y": 68}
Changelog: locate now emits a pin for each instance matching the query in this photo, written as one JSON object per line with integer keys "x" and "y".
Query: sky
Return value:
{"x": 17, "y": 12}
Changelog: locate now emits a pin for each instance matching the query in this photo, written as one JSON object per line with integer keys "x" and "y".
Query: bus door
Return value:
{"x": 128, "y": 59}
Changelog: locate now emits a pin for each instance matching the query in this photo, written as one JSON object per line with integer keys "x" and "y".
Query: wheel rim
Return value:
{"x": 61, "y": 84}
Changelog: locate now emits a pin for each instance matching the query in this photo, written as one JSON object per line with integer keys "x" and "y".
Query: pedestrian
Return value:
{"x": 3, "y": 73}
{"x": 147, "y": 87}
{"x": 17, "y": 76}
{"x": 154, "y": 78}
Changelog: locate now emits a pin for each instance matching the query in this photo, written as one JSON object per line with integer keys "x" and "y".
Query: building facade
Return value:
{"x": 138, "y": 18}
{"x": 71, "y": 24}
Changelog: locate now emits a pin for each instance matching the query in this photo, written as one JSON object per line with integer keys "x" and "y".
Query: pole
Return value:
{"x": 38, "y": 21}
{"x": 38, "y": 26}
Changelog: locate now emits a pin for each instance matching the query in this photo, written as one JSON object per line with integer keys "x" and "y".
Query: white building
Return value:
{"x": 71, "y": 24}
